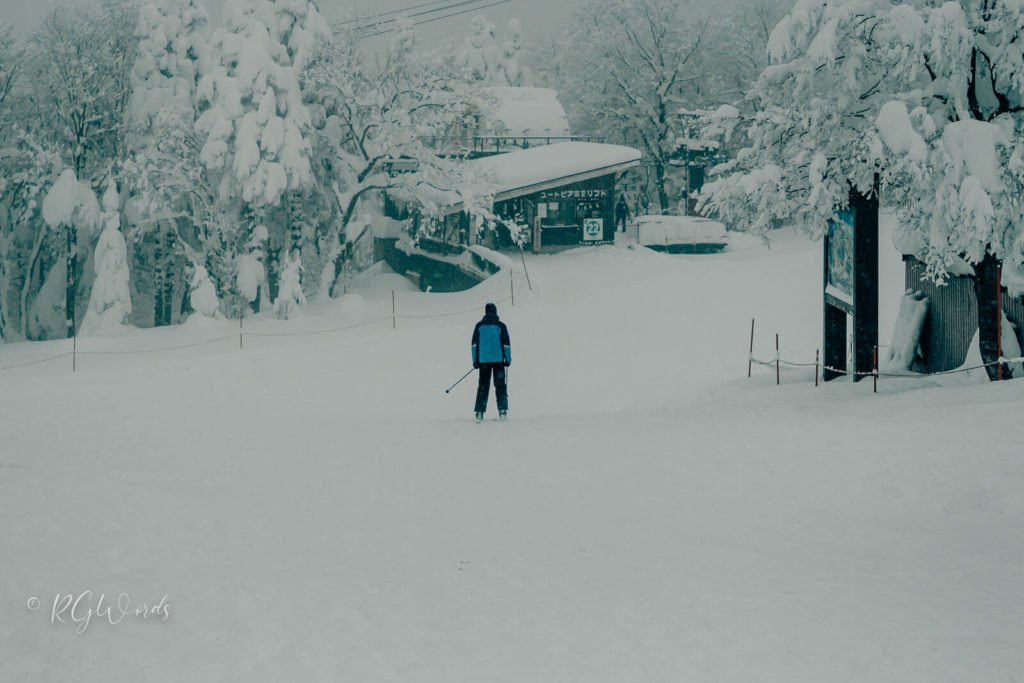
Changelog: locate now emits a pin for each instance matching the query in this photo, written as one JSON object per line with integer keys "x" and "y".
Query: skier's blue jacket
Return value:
{"x": 491, "y": 343}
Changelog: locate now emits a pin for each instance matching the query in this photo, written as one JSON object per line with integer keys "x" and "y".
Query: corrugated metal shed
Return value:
{"x": 952, "y": 317}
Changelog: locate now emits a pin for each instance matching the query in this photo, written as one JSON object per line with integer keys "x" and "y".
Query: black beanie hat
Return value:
{"x": 491, "y": 309}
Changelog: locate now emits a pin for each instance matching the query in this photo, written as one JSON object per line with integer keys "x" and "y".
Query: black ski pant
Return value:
{"x": 483, "y": 390}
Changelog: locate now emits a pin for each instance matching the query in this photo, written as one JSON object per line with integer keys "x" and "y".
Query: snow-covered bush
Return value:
{"x": 289, "y": 294}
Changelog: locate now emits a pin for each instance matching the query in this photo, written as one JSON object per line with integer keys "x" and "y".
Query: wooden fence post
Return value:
{"x": 874, "y": 370}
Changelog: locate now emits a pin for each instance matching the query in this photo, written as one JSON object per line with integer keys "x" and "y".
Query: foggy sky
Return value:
{"x": 539, "y": 17}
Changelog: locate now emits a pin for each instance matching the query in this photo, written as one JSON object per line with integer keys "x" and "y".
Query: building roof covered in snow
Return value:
{"x": 527, "y": 171}
{"x": 528, "y": 112}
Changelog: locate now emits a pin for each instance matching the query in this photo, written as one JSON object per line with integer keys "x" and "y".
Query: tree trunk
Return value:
{"x": 170, "y": 257}
{"x": 4, "y": 288}
{"x": 158, "y": 280}
{"x": 26, "y": 288}
{"x": 71, "y": 290}
{"x": 987, "y": 292}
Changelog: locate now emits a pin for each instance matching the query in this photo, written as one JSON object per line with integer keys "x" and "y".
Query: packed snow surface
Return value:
{"x": 318, "y": 509}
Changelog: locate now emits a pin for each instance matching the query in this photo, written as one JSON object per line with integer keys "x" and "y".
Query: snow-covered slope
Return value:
{"x": 317, "y": 509}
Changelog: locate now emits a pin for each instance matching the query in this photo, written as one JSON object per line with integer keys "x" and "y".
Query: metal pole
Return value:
{"x": 875, "y": 369}
{"x": 750, "y": 359}
{"x": 512, "y": 285}
{"x": 523, "y": 257}
{"x": 241, "y": 324}
{"x": 999, "y": 322}
{"x": 817, "y": 365}
{"x": 74, "y": 352}
{"x": 394, "y": 312}
{"x": 778, "y": 378}
{"x": 449, "y": 389}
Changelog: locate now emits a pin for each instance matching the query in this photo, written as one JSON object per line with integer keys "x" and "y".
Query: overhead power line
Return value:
{"x": 443, "y": 17}
{"x": 370, "y": 19}
{"x": 383, "y": 23}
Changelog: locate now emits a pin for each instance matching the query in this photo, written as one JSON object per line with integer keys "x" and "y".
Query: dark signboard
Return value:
{"x": 839, "y": 258}
{"x": 851, "y": 286}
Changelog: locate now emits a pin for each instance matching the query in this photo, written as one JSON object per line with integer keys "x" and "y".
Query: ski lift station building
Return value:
{"x": 561, "y": 189}
{"x": 563, "y": 194}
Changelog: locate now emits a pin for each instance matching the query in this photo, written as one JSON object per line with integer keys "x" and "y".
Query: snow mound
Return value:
{"x": 667, "y": 230}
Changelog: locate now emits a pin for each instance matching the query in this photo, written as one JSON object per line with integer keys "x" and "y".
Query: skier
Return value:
{"x": 621, "y": 214}
{"x": 492, "y": 354}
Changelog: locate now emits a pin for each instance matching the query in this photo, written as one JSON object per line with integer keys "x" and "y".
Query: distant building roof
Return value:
{"x": 528, "y": 112}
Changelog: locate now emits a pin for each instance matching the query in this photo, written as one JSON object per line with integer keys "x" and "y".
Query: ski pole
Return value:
{"x": 449, "y": 389}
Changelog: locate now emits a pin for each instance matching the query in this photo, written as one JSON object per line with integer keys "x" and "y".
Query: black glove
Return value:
{"x": 476, "y": 366}
{"x": 507, "y": 363}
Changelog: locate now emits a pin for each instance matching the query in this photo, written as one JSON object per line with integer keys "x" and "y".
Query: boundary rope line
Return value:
{"x": 879, "y": 374}
{"x": 160, "y": 350}
{"x": 243, "y": 333}
{"x": 35, "y": 362}
{"x": 314, "y": 333}
{"x": 447, "y": 315}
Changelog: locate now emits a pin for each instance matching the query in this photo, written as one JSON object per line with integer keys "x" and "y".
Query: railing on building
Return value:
{"x": 490, "y": 145}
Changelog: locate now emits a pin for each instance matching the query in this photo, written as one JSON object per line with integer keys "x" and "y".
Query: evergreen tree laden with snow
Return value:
{"x": 110, "y": 302}
{"x": 923, "y": 97}
{"x": 170, "y": 60}
{"x": 254, "y": 118}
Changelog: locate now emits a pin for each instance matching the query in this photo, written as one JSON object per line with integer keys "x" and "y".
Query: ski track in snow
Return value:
{"x": 317, "y": 509}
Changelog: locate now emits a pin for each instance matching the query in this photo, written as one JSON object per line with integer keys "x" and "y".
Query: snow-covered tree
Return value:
{"x": 290, "y": 296}
{"x": 630, "y": 71}
{"x": 254, "y": 114}
{"x": 10, "y": 62}
{"x": 492, "y": 62}
{"x": 168, "y": 64}
{"x": 256, "y": 124}
{"x": 737, "y": 51}
{"x": 71, "y": 206}
{"x": 28, "y": 168}
{"x": 203, "y": 294}
{"x": 110, "y": 302}
{"x": 376, "y": 121}
{"x": 77, "y": 68}
{"x": 170, "y": 59}
{"x": 921, "y": 101}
